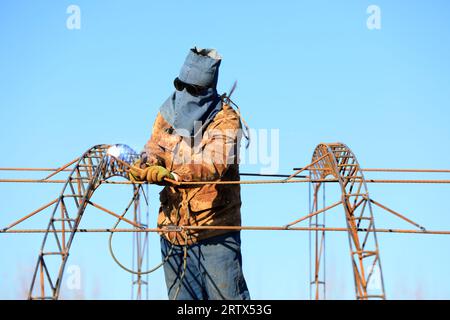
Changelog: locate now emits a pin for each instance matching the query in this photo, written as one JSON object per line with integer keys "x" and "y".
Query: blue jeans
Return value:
{"x": 213, "y": 270}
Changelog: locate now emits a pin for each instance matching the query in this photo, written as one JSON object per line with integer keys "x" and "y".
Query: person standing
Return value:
{"x": 196, "y": 137}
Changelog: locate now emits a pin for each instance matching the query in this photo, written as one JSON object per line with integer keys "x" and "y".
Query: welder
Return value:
{"x": 196, "y": 137}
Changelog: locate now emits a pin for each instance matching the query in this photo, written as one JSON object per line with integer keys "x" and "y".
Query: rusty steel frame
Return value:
{"x": 90, "y": 171}
{"x": 339, "y": 161}
{"x": 317, "y": 281}
{"x": 96, "y": 166}
{"x": 394, "y": 181}
{"x": 139, "y": 282}
{"x": 233, "y": 228}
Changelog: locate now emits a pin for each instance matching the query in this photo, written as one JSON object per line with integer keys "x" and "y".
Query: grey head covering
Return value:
{"x": 185, "y": 112}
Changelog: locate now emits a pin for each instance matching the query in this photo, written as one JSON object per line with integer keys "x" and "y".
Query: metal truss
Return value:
{"x": 90, "y": 170}
{"x": 337, "y": 160}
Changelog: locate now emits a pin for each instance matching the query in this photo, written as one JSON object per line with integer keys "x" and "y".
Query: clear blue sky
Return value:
{"x": 311, "y": 69}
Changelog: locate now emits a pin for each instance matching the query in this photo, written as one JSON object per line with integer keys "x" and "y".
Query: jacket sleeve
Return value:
{"x": 219, "y": 150}
{"x": 153, "y": 154}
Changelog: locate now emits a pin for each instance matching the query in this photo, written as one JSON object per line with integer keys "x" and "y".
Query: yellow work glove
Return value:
{"x": 156, "y": 174}
{"x": 136, "y": 174}
{"x": 152, "y": 174}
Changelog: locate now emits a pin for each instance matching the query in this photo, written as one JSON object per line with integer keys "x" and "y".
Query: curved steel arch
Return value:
{"x": 338, "y": 160}
{"x": 93, "y": 167}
